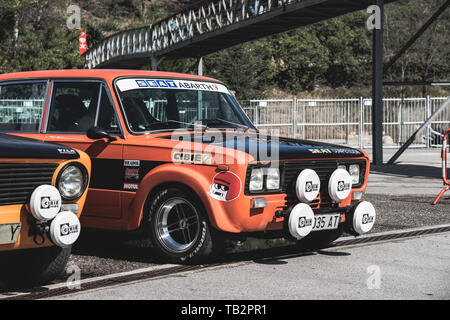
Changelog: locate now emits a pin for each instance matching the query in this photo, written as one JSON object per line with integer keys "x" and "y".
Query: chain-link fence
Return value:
{"x": 348, "y": 121}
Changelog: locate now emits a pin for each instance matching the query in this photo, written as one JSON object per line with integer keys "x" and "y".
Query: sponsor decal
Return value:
{"x": 141, "y": 83}
{"x": 226, "y": 186}
{"x": 66, "y": 151}
{"x": 198, "y": 86}
{"x": 342, "y": 186}
{"x": 310, "y": 186}
{"x": 346, "y": 151}
{"x": 131, "y": 174}
{"x": 131, "y": 84}
{"x": 303, "y": 222}
{"x": 191, "y": 157}
{"x": 335, "y": 150}
{"x": 131, "y": 163}
{"x": 66, "y": 229}
{"x": 320, "y": 151}
{"x": 47, "y": 203}
{"x": 367, "y": 218}
{"x": 130, "y": 186}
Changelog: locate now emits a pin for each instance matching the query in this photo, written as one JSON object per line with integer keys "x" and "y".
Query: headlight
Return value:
{"x": 273, "y": 179}
{"x": 354, "y": 173}
{"x": 256, "y": 180}
{"x": 71, "y": 182}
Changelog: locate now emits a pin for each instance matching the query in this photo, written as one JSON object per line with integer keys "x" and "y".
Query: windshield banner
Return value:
{"x": 133, "y": 84}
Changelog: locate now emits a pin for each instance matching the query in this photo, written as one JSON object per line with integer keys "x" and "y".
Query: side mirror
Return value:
{"x": 96, "y": 133}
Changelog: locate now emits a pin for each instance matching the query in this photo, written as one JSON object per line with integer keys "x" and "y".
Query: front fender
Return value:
{"x": 188, "y": 176}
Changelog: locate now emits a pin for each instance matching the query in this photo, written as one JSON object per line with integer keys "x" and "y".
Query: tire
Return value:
{"x": 178, "y": 227}
{"x": 32, "y": 267}
{"x": 320, "y": 239}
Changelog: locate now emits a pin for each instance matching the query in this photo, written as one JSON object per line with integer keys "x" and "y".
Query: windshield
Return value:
{"x": 157, "y": 104}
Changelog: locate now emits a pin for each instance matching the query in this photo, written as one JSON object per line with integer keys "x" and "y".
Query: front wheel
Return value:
{"x": 178, "y": 226}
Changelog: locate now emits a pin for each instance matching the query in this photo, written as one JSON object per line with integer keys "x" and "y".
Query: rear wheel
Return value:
{"x": 178, "y": 226}
{"x": 33, "y": 266}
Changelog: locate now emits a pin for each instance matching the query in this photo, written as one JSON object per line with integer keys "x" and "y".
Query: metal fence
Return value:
{"x": 18, "y": 111}
{"x": 348, "y": 121}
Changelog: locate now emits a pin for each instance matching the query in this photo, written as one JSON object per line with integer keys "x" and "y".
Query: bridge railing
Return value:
{"x": 200, "y": 18}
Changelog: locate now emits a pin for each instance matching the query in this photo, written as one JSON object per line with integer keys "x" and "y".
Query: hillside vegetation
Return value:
{"x": 328, "y": 58}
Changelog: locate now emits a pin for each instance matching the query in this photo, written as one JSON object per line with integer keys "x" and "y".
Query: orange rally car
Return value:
{"x": 42, "y": 192}
{"x": 176, "y": 158}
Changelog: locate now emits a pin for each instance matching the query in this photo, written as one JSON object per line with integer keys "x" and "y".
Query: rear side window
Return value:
{"x": 21, "y": 106}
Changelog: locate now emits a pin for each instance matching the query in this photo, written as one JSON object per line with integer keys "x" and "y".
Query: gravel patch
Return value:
{"x": 402, "y": 212}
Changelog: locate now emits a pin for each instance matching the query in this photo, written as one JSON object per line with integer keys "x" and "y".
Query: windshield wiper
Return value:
{"x": 238, "y": 125}
{"x": 153, "y": 124}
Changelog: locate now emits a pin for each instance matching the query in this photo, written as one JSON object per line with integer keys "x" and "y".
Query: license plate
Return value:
{"x": 326, "y": 222}
{"x": 9, "y": 233}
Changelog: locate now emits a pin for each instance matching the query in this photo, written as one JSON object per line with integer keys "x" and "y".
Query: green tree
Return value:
{"x": 428, "y": 58}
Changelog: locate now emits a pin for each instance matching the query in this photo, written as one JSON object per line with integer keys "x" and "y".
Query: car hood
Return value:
{"x": 19, "y": 147}
{"x": 262, "y": 147}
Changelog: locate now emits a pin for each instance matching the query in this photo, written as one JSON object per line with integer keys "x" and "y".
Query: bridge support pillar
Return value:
{"x": 377, "y": 89}
{"x": 155, "y": 62}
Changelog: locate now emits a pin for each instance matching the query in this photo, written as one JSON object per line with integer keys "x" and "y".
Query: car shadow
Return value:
{"x": 278, "y": 255}
{"x": 115, "y": 245}
{"x": 119, "y": 246}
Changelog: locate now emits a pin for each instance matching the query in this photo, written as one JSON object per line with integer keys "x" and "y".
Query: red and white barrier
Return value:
{"x": 444, "y": 166}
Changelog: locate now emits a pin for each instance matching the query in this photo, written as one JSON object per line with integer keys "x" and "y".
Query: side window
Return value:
{"x": 107, "y": 118}
{"x": 21, "y": 106}
{"x": 143, "y": 107}
{"x": 74, "y": 106}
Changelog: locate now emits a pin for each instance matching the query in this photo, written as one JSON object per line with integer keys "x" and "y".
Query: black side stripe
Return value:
{"x": 111, "y": 174}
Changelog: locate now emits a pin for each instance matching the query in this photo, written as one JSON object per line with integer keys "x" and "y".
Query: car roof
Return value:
{"x": 107, "y": 74}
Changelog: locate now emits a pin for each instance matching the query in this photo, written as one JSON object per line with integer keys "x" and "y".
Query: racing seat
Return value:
{"x": 67, "y": 112}
{"x": 137, "y": 113}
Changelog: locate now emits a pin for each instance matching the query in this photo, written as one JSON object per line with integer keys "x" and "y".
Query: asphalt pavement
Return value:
{"x": 406, "y": 269}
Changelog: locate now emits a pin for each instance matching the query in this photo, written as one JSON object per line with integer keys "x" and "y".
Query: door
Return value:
{"x": 76, "y": 106}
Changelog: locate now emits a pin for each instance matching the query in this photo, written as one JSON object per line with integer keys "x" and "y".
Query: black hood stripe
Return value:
{"x": 19, "y": 147}
{"x": 286, "y": 147}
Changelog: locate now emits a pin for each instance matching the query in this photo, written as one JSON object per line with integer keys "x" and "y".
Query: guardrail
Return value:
{"x": 348, "y": 121}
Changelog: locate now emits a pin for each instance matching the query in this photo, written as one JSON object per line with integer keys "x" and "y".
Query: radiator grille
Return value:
{"x": 18, "y": 180}
{"x": 324, "y": 168}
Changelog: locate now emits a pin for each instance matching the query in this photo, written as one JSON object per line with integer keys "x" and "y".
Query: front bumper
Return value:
{"x": 26, "y": 226}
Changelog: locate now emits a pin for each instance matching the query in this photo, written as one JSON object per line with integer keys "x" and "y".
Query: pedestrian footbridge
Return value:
{"x": 211, "y": 25}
